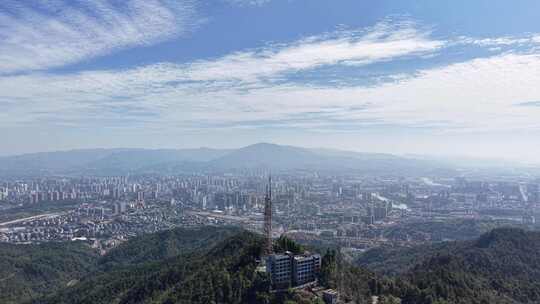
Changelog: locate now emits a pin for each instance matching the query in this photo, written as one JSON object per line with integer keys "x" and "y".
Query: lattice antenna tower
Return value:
{"x": 268, "y": 217}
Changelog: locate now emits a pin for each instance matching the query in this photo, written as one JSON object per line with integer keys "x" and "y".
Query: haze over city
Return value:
{"x": 453, "y": 79}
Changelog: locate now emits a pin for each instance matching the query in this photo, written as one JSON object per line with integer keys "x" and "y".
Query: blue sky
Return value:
{"x": 428, "y": 77}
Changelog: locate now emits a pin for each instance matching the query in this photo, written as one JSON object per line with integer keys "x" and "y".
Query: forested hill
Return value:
{"x": 206, "y": 265}
{"x": 164, "y": 245}
{"x": 218, "y": 265}
{"x": 502, "y": 266}
{"x": 224, "y": 273}
{"x": 29, "y": 272}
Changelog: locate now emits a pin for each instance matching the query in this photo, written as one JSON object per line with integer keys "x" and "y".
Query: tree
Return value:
{"x": 329, "y": 269}
{"x": 285, "y": 244}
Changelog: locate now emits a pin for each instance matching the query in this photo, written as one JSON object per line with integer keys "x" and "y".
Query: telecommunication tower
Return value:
{"x": 268, "y": 217}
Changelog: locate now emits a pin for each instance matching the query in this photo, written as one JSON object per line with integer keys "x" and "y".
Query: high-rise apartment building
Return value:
{"x": 288, "y": 270}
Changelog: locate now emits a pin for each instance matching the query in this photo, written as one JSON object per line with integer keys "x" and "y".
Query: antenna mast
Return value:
{"x": 268, "y": 217}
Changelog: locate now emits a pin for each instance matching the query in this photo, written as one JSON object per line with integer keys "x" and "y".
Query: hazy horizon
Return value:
{"x": 448, "y": 157}
{"x": 444, "y": 79}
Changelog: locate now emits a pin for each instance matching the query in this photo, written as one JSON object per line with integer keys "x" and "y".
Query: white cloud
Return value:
{"x": 247, "y": 2}
{"x": 52, "y": 33}
{"x": 163, "y": 85}
{"x": 243, "y": 69}
{"x": 383, "y": 42}
{"x": 477, "y": 95}
{"x": 238, "y": 91}
{"x": 504, "y": 41}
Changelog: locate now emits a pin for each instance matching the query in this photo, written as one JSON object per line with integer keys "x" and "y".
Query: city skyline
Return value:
{"x": 455, "y": 79}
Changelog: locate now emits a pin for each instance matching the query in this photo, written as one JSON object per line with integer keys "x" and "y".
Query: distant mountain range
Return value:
{"x": 257, "y": 156}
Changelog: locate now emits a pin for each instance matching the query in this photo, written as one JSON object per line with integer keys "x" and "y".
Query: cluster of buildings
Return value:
{"x": 45, "y": 190}
{"x": 352, "y": 210}
{"x": 289, "y": 270}
{"x": 102, "y": 221}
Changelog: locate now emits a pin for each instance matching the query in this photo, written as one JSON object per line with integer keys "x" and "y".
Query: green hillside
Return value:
{"x": 502, "y": 266}
{"x": 218, "y": 265}
{"x": 30, "y": 271}
{"x": 223, "y": 274}
{"x": 165, "y": 244}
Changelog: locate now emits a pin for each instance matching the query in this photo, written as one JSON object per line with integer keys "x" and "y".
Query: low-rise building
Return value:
{"x": 330, "y": 296}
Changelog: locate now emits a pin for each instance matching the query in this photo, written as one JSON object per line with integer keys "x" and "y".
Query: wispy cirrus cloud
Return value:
{"x": 36, "y": 35}
{"x": 479, "y": 94}
{"x": 195, "y": 86}
{"x": 385, "y": 41}
{"x": 500, "y": 41}
{"x": 252, "y": 89}
{"x": 528, "y": 104}
{"x": 247, "y": 2}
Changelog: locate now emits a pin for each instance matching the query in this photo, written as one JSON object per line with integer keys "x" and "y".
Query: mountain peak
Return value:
{"x": 262, "y": 145}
